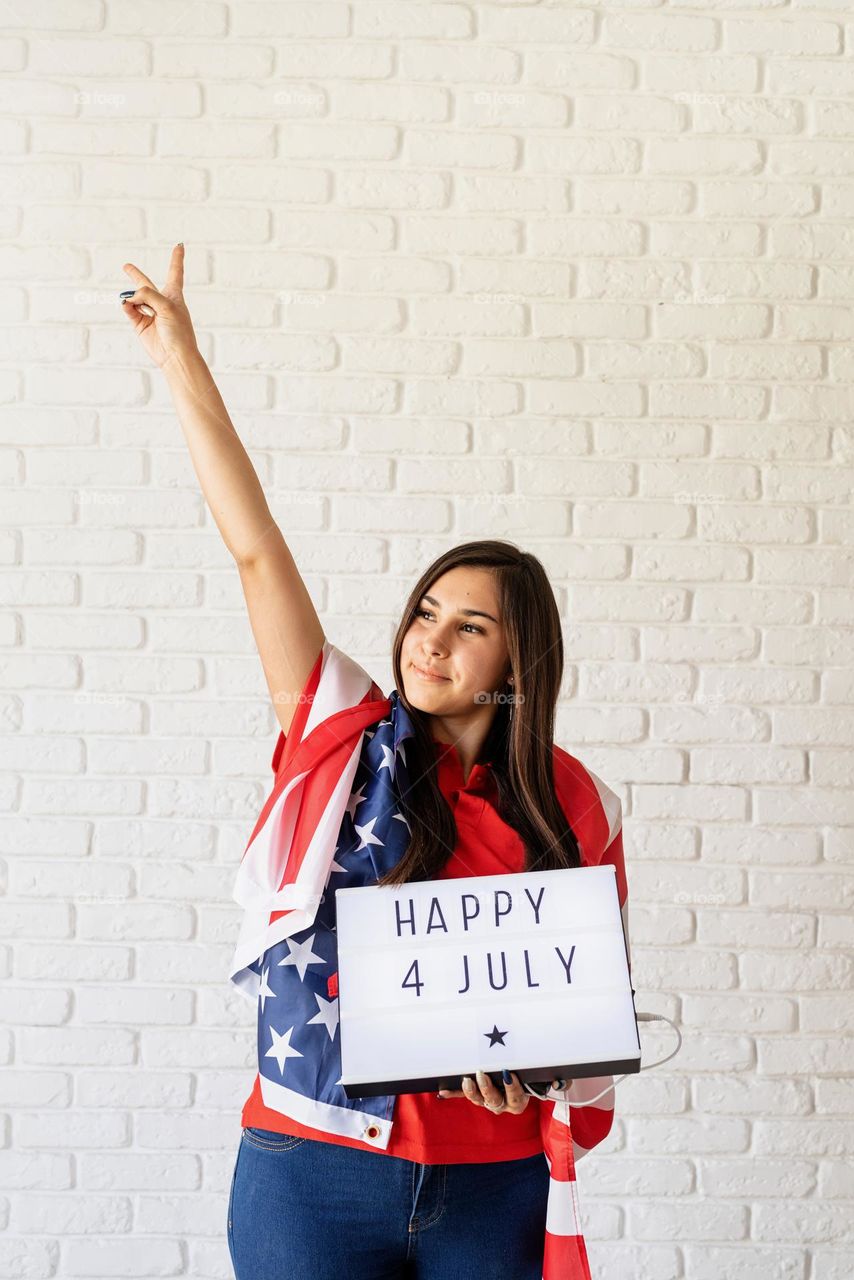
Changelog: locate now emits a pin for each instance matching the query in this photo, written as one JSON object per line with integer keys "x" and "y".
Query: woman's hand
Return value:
{"x": 483, "y": 1093}
{"x": 168, "y": 333}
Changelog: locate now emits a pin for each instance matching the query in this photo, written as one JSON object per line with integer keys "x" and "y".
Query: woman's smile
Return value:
{"x": 427, "y": 675}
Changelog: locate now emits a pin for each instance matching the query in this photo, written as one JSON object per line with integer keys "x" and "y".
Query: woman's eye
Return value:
{"x": 419, "y": 613}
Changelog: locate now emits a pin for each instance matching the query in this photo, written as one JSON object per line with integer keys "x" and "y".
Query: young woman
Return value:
{"x": 454, "y": 774}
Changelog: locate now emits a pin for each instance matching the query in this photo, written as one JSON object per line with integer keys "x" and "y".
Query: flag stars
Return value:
{"x": 356, "y": 798}
{"x": 366, "y": 836}
{"x": 388, "y": 760}
{"x": 265, "y": 989}
{"x": 327, "y": 1015}
{"x": 281, "y": 1048}
{"x": 301, "y": 955}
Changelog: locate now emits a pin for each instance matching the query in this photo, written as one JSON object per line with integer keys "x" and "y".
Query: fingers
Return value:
{"x": 480, "y": 1090}
{"x": 146, "y": 293}
{"x": 148, "y": 296}
{"x": 138, "y": 319}
{"x": 137, "y": 276}
{"x": 483, "y": 1090}
{"x": 513, "y": 1093}
{"x": 471, "y": 1089}
{"x": 175, "y": 274}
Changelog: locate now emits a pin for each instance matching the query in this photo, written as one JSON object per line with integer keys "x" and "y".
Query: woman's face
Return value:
{"x": 468, "y": 651}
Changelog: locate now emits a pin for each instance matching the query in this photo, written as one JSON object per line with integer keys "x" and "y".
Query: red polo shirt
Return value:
{"x": 425, "y": 1128}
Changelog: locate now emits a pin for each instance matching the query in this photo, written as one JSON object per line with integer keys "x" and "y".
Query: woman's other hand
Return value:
{"x": 167, "y": 334}
{"x": 482, "y": 1092}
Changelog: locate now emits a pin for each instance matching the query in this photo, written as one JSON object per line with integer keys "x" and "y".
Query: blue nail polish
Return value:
{"x": 128, "y": 293}
{"x": 507, "y": 1077}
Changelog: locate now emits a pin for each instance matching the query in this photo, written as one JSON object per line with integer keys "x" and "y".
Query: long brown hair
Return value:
{"x": 519, "y": 744}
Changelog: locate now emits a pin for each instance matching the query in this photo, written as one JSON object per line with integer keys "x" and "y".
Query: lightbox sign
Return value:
{"x": 441, "y": 978}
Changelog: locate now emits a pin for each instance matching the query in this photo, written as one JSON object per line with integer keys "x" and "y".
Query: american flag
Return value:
{"x": 333, "y": 819}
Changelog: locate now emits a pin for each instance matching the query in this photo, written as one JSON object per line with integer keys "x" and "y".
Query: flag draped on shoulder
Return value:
{"x": 286, "y": 864}
{"x": 291, "y": 856}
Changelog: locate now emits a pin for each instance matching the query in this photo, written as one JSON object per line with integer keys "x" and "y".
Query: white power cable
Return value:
{"x": 560, "y": 1094}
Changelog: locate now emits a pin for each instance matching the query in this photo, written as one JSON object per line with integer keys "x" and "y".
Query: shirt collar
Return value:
{"x": 480, "y": 779}
{"x": 448, "y": 759}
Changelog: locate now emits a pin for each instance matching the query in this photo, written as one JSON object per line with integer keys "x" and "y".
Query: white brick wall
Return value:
{"x": 579, "y": 275}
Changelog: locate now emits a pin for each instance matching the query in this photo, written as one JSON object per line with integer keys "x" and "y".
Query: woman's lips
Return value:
{"x": 426, "y": 675}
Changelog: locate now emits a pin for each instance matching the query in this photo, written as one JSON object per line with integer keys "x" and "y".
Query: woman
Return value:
{"x": 460, "y": 774}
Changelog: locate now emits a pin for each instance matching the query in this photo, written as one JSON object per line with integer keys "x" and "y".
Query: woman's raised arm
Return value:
{"x": 284, "y": 621}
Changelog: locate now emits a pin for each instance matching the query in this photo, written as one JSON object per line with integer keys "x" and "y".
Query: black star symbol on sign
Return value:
{"x": 495, "y": 1036}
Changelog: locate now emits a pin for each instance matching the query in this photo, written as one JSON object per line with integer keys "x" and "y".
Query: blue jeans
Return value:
{"x": 301, "y": 1209}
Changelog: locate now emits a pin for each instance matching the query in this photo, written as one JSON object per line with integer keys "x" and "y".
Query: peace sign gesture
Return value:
{"x": 168, "y": 332}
